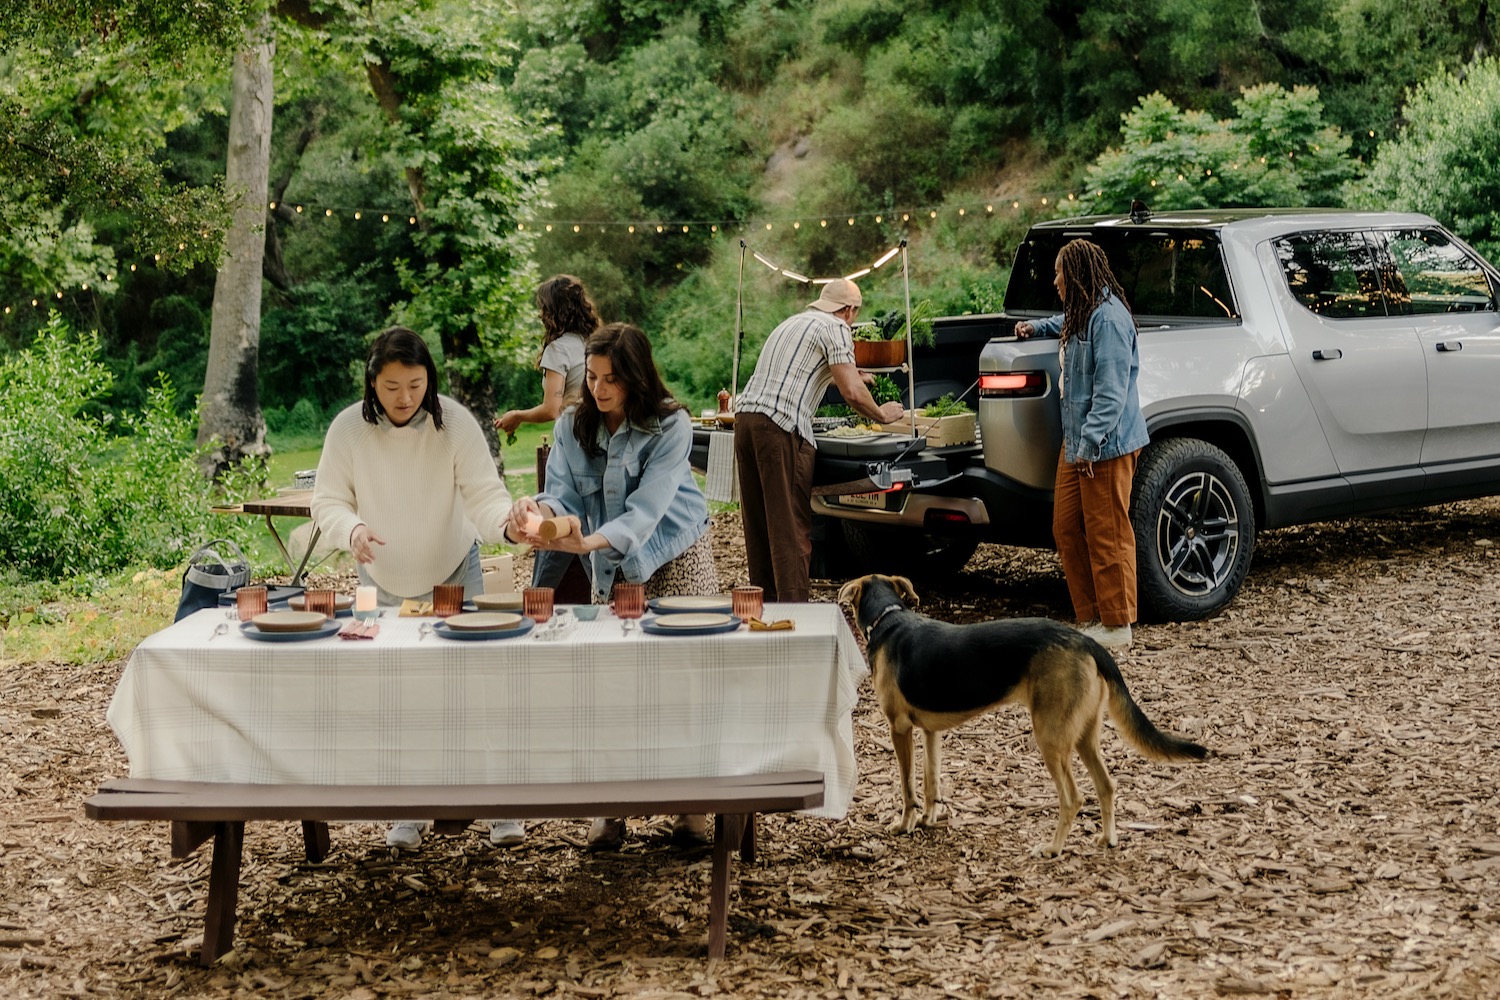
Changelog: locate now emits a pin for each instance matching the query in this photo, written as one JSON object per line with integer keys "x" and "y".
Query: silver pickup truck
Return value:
{"x": 1296, "y": 366}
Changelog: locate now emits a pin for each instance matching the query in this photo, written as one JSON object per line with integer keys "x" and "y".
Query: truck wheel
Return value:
{"x": 1194, "y": 528}
{"x": 904, "y": 552}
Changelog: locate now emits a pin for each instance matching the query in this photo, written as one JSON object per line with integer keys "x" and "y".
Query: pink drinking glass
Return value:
{"x": 536, "y": 603}
{"x": 629, "y": 600}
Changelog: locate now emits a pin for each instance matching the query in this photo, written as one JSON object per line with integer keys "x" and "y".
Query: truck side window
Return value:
{"x": 1332, "y": 274}
{"x": 1434, "y": 274}
{"x": 1165, "y": 274}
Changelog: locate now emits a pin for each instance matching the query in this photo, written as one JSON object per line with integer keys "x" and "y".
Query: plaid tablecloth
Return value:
{"x": 406, "y": 709}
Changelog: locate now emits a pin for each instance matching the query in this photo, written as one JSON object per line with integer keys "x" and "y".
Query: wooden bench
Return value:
{"x": 200, "y": 810}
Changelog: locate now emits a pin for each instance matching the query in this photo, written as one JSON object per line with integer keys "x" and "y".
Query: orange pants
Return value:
{"x": 1091, "y": 526}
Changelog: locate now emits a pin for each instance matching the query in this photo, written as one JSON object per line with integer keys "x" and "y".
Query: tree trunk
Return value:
{"x": 229, "y": 413}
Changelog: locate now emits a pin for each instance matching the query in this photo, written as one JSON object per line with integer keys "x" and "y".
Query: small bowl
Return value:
{"x": 586, "y": 612}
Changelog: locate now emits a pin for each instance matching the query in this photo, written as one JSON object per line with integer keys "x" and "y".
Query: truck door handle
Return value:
{"x": 1450, "y": 345}
{"x": 1332, "y": 355}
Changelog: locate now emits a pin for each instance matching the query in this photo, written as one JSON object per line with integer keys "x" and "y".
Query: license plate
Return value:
{"x": 875, "y": 501}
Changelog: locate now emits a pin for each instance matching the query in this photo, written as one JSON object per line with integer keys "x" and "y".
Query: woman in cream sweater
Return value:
{"x": 407, "y": 483}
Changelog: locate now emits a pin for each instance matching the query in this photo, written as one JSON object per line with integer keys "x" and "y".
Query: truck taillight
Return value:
{"x": 1002, "y": 385}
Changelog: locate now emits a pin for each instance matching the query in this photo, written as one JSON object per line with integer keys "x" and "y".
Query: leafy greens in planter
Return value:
{"x": 945, "y": 406}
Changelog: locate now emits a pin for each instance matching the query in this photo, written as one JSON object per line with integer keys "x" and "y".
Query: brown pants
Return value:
{"x": 1091, "y": 526}
{"x": 776, "y": 474}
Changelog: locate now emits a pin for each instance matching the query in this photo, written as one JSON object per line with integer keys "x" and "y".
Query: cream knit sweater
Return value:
{"x": 430, "y": 494}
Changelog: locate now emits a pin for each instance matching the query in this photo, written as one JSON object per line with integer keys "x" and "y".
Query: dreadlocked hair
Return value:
{"x": 1086, "y": 275}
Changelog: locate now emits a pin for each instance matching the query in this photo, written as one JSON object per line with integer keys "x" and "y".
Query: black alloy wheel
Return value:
{"x": 1194, "y": 526}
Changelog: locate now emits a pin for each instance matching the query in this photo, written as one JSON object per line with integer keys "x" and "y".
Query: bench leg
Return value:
{"x": 747, "y": 840}
{"x": 223, "y": 891}
{"x": 728, "y": 831}
{"x": 188, "y": 834}
{"x": 315, "y": 840}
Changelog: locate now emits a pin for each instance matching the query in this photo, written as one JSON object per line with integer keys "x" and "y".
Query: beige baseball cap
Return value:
{"x": 840, "y": 293}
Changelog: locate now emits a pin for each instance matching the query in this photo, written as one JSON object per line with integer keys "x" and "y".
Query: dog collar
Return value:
{"x": 870, "y": 629}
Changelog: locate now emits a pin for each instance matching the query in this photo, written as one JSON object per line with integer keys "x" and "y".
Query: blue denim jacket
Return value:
{"x": 1101, "y": 406}
{"x": 639, "y": 494}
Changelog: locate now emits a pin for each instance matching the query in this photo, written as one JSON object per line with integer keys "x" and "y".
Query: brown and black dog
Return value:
{"x": 932, "y": 676}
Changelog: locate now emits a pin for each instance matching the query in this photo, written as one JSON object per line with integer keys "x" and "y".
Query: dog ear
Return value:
{"x": 849, "y": 593}
{"x": 907, "y": 592}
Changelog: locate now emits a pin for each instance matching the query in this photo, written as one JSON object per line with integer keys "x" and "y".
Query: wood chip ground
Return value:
{"x": 1344, "y": 844}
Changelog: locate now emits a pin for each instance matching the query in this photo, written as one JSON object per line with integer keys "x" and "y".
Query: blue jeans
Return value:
{"x": 469, "y": 573}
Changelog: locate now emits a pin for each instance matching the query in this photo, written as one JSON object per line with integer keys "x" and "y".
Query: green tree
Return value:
{"x": 1277, "y": 152}
{"x": 74, "y": 151}
{"x": 1446, "y": 160}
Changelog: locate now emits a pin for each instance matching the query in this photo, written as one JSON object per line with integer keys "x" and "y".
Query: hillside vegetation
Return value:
{"x": 658, "y": 147}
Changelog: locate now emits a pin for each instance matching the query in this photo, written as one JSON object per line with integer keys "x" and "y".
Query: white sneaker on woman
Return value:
{"x": 407, "y": 836}
{"x": 507, "y": 832}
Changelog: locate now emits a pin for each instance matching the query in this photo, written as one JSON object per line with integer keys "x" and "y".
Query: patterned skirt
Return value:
{"x": 691, "y": 574}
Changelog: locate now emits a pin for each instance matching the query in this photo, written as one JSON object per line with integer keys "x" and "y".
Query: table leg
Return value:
{"x": 747, "y": 840}
{"x": 298, "y": 568}
{"x": 223, "y": 891}
{"x": 727, "y": 833}
{"x": 315, "y": 840}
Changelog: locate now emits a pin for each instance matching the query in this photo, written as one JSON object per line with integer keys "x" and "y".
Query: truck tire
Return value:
{"x": 1194, "y": 529}
{"x": 905, "y": 552}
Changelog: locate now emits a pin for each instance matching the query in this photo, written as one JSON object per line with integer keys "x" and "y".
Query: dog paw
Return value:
{"x": 1107, "y": 840}
{"x": 1044, "y": 851}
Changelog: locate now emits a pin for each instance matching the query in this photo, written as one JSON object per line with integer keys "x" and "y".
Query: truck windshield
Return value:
{"x": 1165, "y": 274}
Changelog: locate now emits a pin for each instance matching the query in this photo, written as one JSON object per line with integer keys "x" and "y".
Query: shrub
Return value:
{"x": 87, "y": 494}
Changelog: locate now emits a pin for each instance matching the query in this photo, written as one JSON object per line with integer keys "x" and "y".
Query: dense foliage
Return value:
{"x": 422, "y": 151}
{"x": 1446, "y": 162}
{"x": 86, "y": 493}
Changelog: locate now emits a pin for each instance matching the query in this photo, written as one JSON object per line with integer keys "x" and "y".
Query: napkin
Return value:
{"x": 411, "y": 608}
{"x": 360, "y": 630}
{"x": 780, "y": 625}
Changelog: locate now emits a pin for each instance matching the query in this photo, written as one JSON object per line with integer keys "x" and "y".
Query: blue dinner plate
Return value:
{"x": 650, "y": 624}
{"x": 323, "y": 631}
{"x": 480, "y": 635}
{"x": 716, "y": 604}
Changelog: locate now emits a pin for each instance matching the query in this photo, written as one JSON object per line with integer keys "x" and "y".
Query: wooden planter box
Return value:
{"x": 940, "y": 432}
{"x": 879, "y": 353}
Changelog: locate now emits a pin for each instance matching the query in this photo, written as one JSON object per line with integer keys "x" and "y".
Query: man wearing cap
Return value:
{"x": 774, "y": 448}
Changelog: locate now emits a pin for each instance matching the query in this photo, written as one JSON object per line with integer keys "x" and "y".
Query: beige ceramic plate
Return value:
{"x": 692, "y": 621}
{"x": 497, "y": 602}
{"x": 341, "y": 602}
{"x": 692, "y": 603}
{"x": 289, "y": 621}
{"x": 482, "y": 621}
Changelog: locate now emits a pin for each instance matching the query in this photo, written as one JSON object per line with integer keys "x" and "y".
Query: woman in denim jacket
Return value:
{"x": 620, "y": 473}
{"x": 1103, "y": 433}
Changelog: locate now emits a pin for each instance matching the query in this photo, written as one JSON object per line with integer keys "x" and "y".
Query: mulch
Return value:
{"x": 1342, "y": 844}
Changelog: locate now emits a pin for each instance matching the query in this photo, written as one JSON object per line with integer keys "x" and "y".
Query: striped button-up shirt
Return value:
{"x": 794, "y": 370}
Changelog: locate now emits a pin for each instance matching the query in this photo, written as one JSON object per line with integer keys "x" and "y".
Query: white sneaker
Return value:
{"x": 405, "y": 835}
{"x": 507, "y": 832}
{"x": 1110, "y": 636}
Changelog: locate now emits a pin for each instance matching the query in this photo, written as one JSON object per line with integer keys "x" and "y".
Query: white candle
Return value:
{"x": 364, "y": 598}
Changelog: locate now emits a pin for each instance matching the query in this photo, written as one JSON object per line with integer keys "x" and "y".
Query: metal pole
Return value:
{"x": 911, "y": 368}
{"x": 739, "y": 329}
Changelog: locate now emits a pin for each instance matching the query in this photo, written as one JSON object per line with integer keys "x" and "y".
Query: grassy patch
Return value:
{"x": 57, "y": 623}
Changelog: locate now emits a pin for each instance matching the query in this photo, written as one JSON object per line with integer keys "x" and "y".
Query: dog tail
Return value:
{"x": 1132, "y": 723}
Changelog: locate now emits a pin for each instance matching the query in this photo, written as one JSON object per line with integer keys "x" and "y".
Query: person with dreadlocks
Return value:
{"x": 1103, "y": 432}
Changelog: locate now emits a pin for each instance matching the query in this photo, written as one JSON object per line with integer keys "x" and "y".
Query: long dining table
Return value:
{"x": 592, "y": 702}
